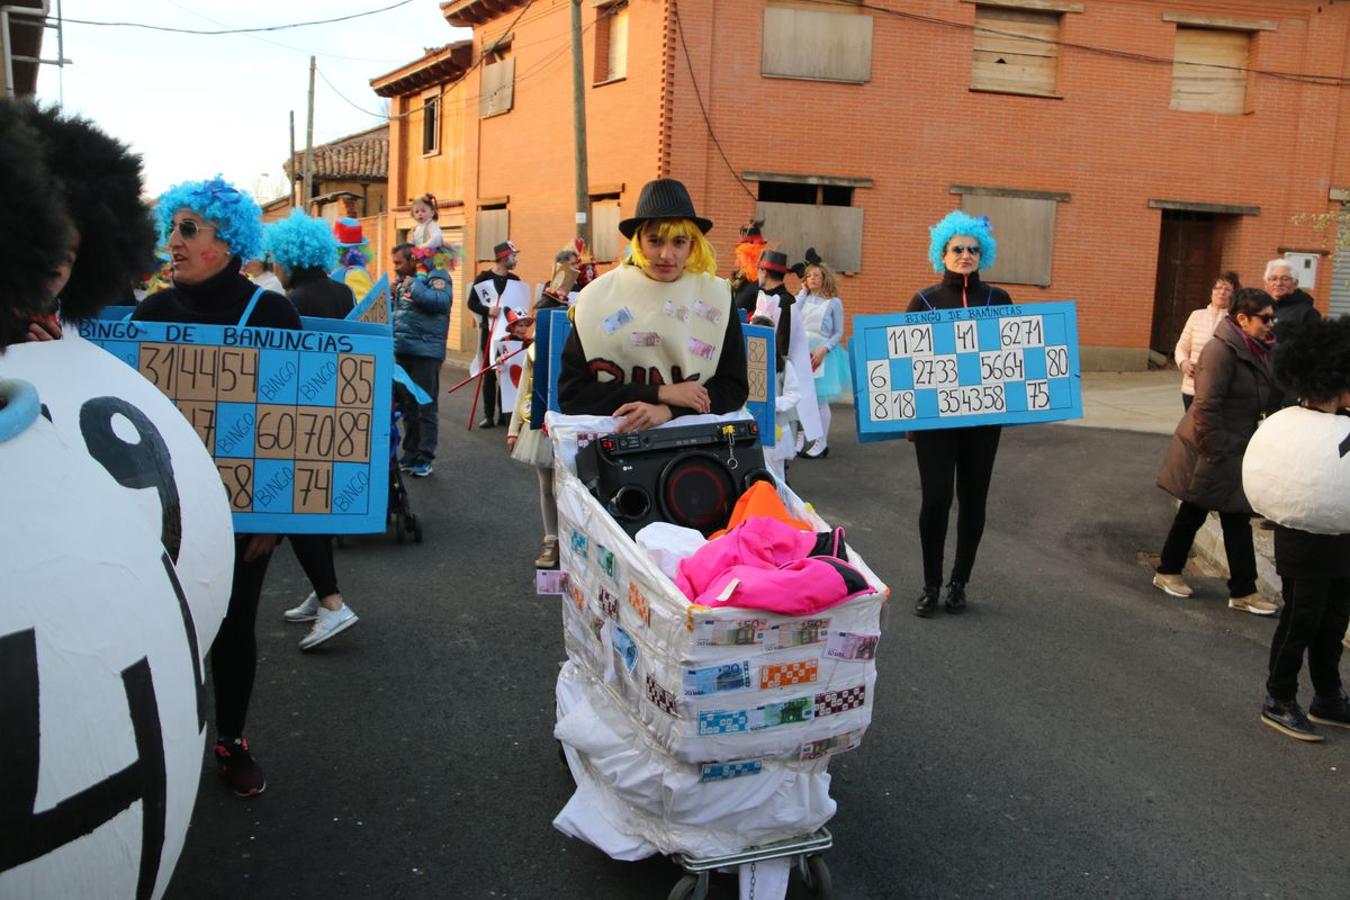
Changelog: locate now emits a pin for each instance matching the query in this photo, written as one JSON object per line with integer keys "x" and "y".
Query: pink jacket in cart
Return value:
{"x": 766, "y": 564}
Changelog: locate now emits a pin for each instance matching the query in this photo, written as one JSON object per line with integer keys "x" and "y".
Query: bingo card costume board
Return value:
{"x": 297, "y": 421}
{"x": 951, "y": 368}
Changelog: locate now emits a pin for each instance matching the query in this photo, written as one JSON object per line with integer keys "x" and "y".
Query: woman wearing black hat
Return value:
{"x": 656, "y": 338}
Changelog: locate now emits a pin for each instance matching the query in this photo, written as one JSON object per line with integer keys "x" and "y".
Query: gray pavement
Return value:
{"x": 1077, "y": 733}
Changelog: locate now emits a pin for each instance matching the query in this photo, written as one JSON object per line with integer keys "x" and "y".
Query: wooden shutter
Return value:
{"x": 822, "y": 46}
{"x": 1208, "y": 70}
{"x": 494, "y": 226}
{"x": 618, "y": 45}
{"x": 1025, "y": 230}
{"x": 835, "y": 232}
{"x": 497, "y": 88}
{"x": 1015, "y": 51}
{"x": 606, "y": 241}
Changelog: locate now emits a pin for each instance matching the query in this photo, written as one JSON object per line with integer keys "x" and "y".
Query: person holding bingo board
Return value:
{"x": 956, "y": 461}
{"x": 210, "y": 227}
{"x": 656, "y": 338}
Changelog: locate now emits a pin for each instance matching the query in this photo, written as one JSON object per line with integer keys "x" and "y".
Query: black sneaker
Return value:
{"x": 927, "y": 603}
{"x": 1330, "y": 710}
{"x": 956, "y": 597}
{"x": 237, "y": 768}
{"x": 1289, "y": 719}
{"x": 488, "y": 423}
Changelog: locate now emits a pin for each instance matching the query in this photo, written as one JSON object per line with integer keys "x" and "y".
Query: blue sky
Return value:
{"x": 197, "y": 105}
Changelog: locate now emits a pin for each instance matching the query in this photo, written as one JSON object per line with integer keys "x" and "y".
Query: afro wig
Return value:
{"x": 957, "y": 222}
{"x": 1314, "y": 362}
{"x": 34, "y": 227}
{"x": 101, "y": 179}
{"x": 236, "y": 217}
{"x": 301, "y": 242}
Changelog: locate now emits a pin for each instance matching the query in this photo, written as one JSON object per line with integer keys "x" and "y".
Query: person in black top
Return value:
{"x": 657, "y": 337}
{"x": 209, "y": 227}
{"x": 1314, "y": 566}
{"x": 499, "y": 274}
{"x": 962, "y": 458}
{"x": 303, "y": 249}
{"x": 1293, "y": 309}
{"x": 774, "y": 295}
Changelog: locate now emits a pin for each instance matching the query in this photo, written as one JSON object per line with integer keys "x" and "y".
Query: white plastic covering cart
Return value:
{"x": 690, "y": 731}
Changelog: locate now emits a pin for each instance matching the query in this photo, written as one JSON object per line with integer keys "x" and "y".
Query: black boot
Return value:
{"x": 927, "y": 603}
{"x": 956, "y": 597}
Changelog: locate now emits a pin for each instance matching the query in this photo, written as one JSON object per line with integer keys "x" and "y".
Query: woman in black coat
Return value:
{"x": 1203, "y": 465}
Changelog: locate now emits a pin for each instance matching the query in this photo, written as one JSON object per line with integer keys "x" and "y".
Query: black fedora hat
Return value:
{"x": 664, "y": 198}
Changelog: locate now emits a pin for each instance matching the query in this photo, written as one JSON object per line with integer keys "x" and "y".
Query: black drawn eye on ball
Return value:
{"x": 144, "y": 463}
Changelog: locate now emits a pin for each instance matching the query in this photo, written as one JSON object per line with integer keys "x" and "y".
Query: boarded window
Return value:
{"x": 611, "y": 42}
{"x": 496, "y": 92}
{"x": 431, "y": 125}
{"x": 1016, "y": 51}
{"x": 799, "y": 215}
{"x": 606, "y": 241}
{"x": 1209, "y": 70}
{"x": 494, "y": 226}
{"x": 818, "y": 44}
{"x": 1025, "y": 230}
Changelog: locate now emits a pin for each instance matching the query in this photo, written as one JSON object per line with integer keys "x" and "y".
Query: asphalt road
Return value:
{"x": 1077, "y": 733}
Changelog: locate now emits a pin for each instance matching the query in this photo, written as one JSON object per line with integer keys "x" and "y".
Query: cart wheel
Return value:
{"x": 815, "y": 876}
{"x": 416, "y": 529}
{"x": 690, "y": 887}
{"x": 398, "y": 528}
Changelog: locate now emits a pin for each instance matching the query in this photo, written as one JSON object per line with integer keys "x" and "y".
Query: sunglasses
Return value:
{"x": 973, "y": 250}
{"x": 188, "y": 228}
{"x": 1264, "y": 317}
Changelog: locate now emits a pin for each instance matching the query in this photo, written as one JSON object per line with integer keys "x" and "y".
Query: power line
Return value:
{"x": 254, "y": 37}
{"x": 221, "y": 31}
{"x": 684, "y": 44}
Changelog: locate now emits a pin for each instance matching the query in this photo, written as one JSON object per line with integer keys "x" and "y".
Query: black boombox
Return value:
{"x": 690, "y": 476}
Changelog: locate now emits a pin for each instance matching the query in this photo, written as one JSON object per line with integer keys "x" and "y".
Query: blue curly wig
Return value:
{"x": 237, "y": 218}
{"x": 957, "y": 222}
{"x": 301, "y": 242}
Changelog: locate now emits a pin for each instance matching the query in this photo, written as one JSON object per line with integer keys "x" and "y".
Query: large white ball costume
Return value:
{"x": 1297, "y": 470}
{"x": 115, "y": 576}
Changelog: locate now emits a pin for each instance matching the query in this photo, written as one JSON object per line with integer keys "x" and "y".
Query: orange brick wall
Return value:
{"x": 915, "y": 129}
{"x": 1112, "y": 143}
{"x": 527, "y": 153}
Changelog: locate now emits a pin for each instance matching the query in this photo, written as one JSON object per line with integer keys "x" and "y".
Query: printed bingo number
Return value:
{"x": 272, "y": 456}
{"x": 967, "y": 369}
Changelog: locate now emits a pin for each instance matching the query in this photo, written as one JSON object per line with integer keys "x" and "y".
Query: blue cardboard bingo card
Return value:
{"x": 298, "y": 421}
{"x": 988, "y": 365}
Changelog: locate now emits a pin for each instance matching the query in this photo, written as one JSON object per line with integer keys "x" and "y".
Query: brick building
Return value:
{"x": 1126, "y": 151}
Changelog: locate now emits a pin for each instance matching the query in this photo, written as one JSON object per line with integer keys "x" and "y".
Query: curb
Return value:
{"x": 1208, "y": 550}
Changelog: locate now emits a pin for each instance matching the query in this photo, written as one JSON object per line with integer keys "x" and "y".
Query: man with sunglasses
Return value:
{"x": 1293, "y": 309}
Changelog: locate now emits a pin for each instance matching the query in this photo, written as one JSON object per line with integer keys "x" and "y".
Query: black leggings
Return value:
{"x": 315, "y": 554}
{"x": 963, "y": 458}
{"x": 234, "y": 655}
{"x": 1314, "y": 617}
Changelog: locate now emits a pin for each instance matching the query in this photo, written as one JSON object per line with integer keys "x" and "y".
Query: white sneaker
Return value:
{"x": 331, "y": 622}
{"x": 801, "y": 441}
{"x": 305, "y": 612}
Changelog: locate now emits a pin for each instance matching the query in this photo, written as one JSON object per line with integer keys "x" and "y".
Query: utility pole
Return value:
{"x": 290, "y": 167}
{"x": 307, "y": 195}
{"x": 579, "y": 127}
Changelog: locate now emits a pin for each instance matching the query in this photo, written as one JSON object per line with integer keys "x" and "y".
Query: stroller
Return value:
{"x": 400, "y": 514}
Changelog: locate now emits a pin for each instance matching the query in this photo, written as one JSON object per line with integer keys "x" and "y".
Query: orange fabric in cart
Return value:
{"x": 760, "y": 500}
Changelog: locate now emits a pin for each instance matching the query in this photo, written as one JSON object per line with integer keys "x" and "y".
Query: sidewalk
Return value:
{"x": 1151, "y": 402}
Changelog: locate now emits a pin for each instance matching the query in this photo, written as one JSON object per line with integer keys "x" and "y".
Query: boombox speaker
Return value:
{"x": 690, "y": 476}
